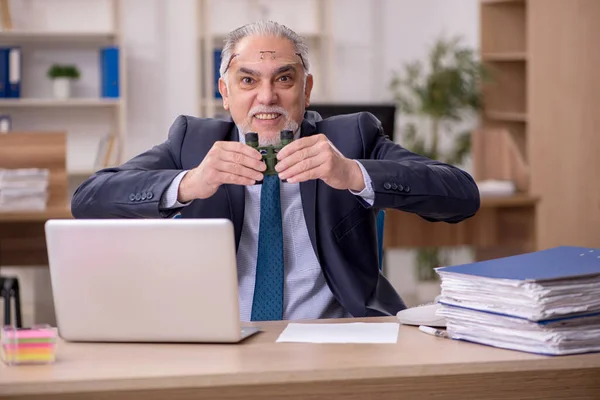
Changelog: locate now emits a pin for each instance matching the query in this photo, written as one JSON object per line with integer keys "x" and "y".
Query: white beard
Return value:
{"x": 274, "y": 138}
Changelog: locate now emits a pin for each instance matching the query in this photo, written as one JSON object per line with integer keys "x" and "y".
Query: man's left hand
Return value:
{"x": 315, "y": 157}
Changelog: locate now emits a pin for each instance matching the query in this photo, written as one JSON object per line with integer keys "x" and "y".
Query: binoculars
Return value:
{"x": 269, "y": 153}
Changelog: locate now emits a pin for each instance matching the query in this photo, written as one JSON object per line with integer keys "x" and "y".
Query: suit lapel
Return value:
{"x": 237, "y": 197}
{"x": 308, "y": 193}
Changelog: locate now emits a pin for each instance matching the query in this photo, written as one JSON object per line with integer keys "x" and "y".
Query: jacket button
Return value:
{"x": 407, "y": 188}
{"x": 132, "y": 197}
{"x": 394, "y": 186}
{"x": 143, "y": 195}
{"x": 138, "y": 197}
{"x": 400, "y": 188}
{"x": 387, "y": 186}
{"x": 149, "y": 195}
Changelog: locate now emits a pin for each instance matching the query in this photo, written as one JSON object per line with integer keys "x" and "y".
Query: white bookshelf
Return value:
{"x": 56, "y": 31}
{"x": 310, "y": 19}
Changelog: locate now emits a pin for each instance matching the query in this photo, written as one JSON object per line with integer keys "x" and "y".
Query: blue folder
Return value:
{"x": 562, "y": 262}
{"x": 109, "y": 72}
{"x": 4, "y": 71}
{"x": 217, "y": 74}
{"x": 14, "y": 72}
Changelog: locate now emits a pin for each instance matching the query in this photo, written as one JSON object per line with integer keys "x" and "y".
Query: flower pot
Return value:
{"x": 61, "y": 88}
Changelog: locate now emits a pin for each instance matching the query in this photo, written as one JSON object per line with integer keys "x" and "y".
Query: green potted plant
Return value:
{"x": 62, "y": 76}
{"x": 438, "y": 97}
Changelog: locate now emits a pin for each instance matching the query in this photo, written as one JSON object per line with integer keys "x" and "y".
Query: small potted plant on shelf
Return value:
{"x": 62, "y": 76}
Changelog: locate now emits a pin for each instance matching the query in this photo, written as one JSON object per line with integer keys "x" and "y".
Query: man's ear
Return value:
{"x": 308, "y": 89}
{"x": 224, "y": 93}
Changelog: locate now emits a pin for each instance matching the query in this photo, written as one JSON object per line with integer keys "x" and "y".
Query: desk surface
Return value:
{"x": 417, "y": 363}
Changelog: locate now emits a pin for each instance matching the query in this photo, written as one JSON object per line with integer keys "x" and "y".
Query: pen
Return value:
{"x": 432, "y": 331}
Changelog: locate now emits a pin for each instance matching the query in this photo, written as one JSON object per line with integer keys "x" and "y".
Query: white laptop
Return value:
{"x": 145, "y": 280}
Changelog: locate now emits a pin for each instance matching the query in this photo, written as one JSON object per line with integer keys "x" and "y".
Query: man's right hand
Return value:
{"x": 226, "y": 162}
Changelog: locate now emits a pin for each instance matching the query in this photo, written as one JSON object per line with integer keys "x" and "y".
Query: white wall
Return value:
{"x": 160, "y": 39}
{"x": 411, "y": 27}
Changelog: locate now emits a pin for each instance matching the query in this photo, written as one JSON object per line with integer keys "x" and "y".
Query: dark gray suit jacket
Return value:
{"x": 341, "y": 226}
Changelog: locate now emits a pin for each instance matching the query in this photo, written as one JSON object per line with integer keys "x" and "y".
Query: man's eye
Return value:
{"x": 285, "y": 78}
{"x": 247, "y": 80}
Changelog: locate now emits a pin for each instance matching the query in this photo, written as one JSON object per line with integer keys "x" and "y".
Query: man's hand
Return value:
{"x": 315, "y": 157}
{"x": 226, "y": 162}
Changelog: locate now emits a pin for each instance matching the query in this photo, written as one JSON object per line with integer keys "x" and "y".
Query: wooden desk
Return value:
{"x": 502, "y": 226}
{"x": 22, "y": 238}
{"x": 417, "y": 366}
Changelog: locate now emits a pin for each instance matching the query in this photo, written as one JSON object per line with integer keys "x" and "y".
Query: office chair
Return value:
{"x": 380, "y": 226}
{"x": 9, "y": 288}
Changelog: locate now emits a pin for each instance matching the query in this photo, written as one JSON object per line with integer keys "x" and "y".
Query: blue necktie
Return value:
{"x": 267, "y": 304}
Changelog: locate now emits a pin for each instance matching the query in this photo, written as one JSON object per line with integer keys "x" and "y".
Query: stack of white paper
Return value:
{"x": 23, "y": 189}
{"x": 353, "y": 332}
{"x": 556, "y": 337}
{"x": 532, "y": 300}
{"x": 544, "y": 302}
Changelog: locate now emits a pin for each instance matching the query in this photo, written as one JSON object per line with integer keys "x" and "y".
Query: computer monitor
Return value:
{"x": 385, "y": 113}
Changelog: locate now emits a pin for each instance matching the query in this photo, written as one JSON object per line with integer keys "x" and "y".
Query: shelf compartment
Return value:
{"x": 503, "y": 27}
{"x": 500, "y": 152}
{"x": 506, "y": 91}
{"x": 517, "y": 130}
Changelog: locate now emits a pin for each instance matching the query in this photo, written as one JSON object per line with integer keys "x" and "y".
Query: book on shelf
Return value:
{"x": 10, "y": 72}
{"x": 545, "y": 302}
{"x": 108, "y": 152}
{"x": 109, "y": 72}
{"x": 216, "y": 74}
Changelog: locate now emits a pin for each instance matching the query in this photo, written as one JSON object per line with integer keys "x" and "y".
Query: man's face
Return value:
{"x": 265, "y": 90}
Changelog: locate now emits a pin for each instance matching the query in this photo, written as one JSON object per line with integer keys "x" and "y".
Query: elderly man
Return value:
{"x": 306, "y": 238}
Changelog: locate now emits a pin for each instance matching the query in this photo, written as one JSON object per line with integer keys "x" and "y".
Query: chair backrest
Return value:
{"x": 380, "y": 230}
{"x": 39, "y": 150}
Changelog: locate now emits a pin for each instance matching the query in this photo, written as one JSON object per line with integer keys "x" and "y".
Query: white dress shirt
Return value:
{"x": 306, "y": 294}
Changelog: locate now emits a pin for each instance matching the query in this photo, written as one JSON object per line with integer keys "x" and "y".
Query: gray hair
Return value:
{"x": 262, "y": 28}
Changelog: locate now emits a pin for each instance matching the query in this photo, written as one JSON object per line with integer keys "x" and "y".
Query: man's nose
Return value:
{"x": 267, "y": 94}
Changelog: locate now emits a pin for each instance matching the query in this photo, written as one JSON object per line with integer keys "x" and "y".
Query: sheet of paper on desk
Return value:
{"x": 354, "y": 332}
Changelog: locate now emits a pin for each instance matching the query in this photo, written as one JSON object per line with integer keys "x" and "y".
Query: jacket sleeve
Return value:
{"x": 134, "y": 189}
{"x": 413, "y": 183}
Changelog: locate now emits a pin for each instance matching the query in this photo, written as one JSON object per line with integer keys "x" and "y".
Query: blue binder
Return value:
{"x": 109, "y": 72}
{"x": 4, "y": 72}
{"x": 561, "y": 262}
{"x": 217, "y": 74}
{"x": 14, "y": 72}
